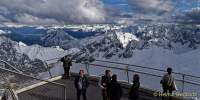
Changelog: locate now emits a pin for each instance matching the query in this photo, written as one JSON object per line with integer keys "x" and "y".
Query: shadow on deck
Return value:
{"x": 51, "y": 92}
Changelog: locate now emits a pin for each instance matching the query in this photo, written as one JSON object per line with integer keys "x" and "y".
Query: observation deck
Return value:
{"x": 49, "y": 85}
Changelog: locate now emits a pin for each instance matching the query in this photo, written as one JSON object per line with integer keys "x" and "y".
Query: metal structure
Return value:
{"x": 24, "y": 80}
{"x": 9, "y": 66}
{"x": 185, "y": 83}
{"x": 150, "y": 77}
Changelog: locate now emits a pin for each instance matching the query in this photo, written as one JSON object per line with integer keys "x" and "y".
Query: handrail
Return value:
{"x": 178, "y": 73}
{"x": 104, "y": 66}
{"x": 139, "y": 72}
{"x": 22, "y": 74}
{"x": 134, "y": 66}
{"x": 147, "y": 68}
{"x": 11, "y": 66}
{"x": 130, "y": 70}
{"x": 55, "y": 83}
{"x": 131, "y": 65}
{"x": 182, "y": 74}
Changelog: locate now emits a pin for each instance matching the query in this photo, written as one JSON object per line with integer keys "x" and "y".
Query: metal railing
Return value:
{"x": 147, "y": 68}
{"x": 9, "y": 66}
{"x": 24, "y": 80}
{"x": 155, "y": 69}
{"x": 185, "y": 82}
{"x": 150, "y": 77}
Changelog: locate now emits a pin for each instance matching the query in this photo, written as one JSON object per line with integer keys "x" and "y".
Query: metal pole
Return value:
{"x": 65, "y": 91}
{"x": 9, "y": 65}
{"x": 87, "y": 67}
{"x": 183, "y": 82}
{"x": 4, "y": 65}
{"x": 55, "y": 83}
{"x": 127, "y": 73}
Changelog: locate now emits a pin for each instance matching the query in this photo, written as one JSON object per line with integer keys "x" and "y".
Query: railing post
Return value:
{"x": 87, "y": 67}
{"x": 65, "y": 91}
{"x": 127, "y": 73}
{"x": 183, "y": 82}
{"x": 4, "y": 65}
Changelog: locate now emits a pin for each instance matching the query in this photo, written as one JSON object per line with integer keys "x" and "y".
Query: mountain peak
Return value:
{"x": 55, "y": 37}
{"x": 22, "y": 44}
{"x": 125, "y": 38}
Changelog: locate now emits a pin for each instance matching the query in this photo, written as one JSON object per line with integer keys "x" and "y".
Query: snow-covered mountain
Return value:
{"x": 130, "y": 44}
{"x": 178, "y": 39}
{"x": 29, "y": 59}
{"x": 150, "y": 45}
{"x": 155, "y": 46}
{"x": 2, "y": 32}
{"x": 44, "y": 53}
{"x": 55, "y": 37}
{"x": 19, "y": 60}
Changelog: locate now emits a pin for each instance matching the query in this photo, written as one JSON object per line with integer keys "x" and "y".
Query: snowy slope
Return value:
{"x": 157, "y": 57}
{"x": 2, "y": 32}
{"x": 19, "y": 60}
{"x": 44, "y": 53}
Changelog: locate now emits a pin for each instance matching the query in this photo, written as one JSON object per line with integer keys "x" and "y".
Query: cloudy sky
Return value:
{"x": 98, "y": 11}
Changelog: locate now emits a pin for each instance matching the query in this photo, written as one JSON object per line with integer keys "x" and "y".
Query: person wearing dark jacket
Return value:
{"x": 134, "y": 92}
{"x": 103, "y": 83}
{"x": 81, "y": 85}
{"x": 67, "y": 63}
{"x": 114, "y": 89}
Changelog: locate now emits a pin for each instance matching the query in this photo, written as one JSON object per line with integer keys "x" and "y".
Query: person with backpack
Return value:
{"x": 168, "y": 82}
{"x": 67, "y": 63}
{"x": 81, "y": 84}
{"x": 114, "y": 89}
{"x": 103, "y": 83}
{"x": 134, "y": 92}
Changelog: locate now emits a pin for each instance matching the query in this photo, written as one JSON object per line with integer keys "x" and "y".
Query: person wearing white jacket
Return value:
{"x": 168, "y": 83}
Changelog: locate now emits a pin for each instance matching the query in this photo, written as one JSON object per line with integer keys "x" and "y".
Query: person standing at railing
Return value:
{"x": 168, "y": 82}
{"x": 134, "y": 92}
{"x": 81, "y": 84}
{"x": 67, "y": 63}
{"x": 103, "y": 83}
{"x": 114, "y": 89}
{"x": 9, "y": 93}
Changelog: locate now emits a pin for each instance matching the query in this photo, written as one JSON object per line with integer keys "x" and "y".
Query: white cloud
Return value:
{"x": 194, "y": 13}
{"x": 89, "y": 11}
{"x": 189, "y": 16}
{"x": 68, "y": 11}
{"x": 29, "y": 19}
{"x": 151, "y": 6}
